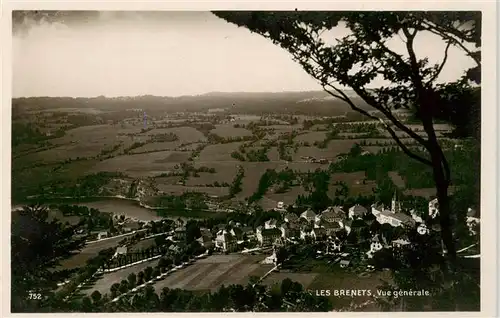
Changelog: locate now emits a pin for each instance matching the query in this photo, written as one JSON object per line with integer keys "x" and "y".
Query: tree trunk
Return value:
{"x": 428, "y": 103}
{"x": 444, "y": 203}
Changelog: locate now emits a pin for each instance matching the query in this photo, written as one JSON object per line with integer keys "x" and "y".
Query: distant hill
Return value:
{"x": 308, "y": 102}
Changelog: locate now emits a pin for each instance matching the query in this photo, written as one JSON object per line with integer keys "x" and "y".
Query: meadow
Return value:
{"x": 214, "y": 271}
{"x": 128, "y": 149}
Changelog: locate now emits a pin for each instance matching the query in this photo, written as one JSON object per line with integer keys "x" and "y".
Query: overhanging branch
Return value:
{"x": 440, "y": 68}
{"x": 341, "y": 95}
{"x": 444, "y": 34}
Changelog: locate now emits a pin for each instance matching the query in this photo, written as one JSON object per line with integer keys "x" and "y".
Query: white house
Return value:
{"x": 433, "y": 208}
{"x": 225, "y": 241}
{"x": 305, "y": 232}
{"x": 267, "y": 236}
{"x": 344, "y": 263}
{"x": 102, "y": 235}
{"x": 333, "y": 246}
{"x": 422, "y": 229}
{"x": 433, "y": 211}
{"x": 400, "y": 242}
{"x": 472, "y": 220}
{"x": 333, "y": 214}
{"x": 357, "y": 212}
{"x": 271, "y": 224}
{"x": 394, "y": 217}
{"x": 377, "y": 243}
{"x": 280, "y": 206}
{"x": 122, "y": 250}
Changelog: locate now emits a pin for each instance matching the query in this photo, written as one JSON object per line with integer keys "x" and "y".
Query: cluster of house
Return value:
{"x": 323, "y": 226}
{"x": 125, "y": 225}
{"x": 227, "y": 238}
{"x": 315, "y": 160}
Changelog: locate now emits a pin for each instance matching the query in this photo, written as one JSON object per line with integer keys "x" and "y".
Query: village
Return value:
{"x": 355, "y": 240}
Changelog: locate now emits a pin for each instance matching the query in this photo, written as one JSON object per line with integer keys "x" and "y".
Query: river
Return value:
{"x": 130, "y": 208}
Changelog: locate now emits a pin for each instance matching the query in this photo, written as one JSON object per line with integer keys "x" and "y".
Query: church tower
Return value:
{"x": 395, "y": 205}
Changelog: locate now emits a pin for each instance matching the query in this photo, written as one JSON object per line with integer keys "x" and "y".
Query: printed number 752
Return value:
{"x": 34, "y": 296}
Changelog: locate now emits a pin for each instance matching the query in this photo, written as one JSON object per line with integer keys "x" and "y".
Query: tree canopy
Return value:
{"x": 364, "y": 58}
{"x": 411, "y": 83}
{"x": 38, "y": 245}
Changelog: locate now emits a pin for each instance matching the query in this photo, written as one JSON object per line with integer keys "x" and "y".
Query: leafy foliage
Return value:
{"x": 364, "y": 55}
{"x": 38, "y": 245}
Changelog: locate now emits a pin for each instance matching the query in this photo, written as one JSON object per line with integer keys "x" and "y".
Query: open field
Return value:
{"x": 88, "y": 252}
{"x": 319, "y": 127}
{"x": 228, "y": 130}
{"x": 158, "y": 146}
{"x": 215, "y": 271}
{"x": 219, "y": 152}
{"x": 81, "y": 149}
{"x": 348, "y": 177}
{"x": 203, "y": 179}
{"x": 253, "y": 173}
{"x": 289, "y": 197}
{"x": 311, "y": 137}
{"x": 225, "y": 171}
{"x": 69, "y": 172}
{"x": 397, "y": 179}
{"x": 350, "y": 135}
{"x": 147, "y": 164}
{"x": 273, "y": 154}
{"x": 335, "y": 147}
{"x": 180, "y": 189}
{"x": 168, "y": 180}
{"x": 437, "y": 127}
{"x": 104, "y": 284}
{"x": 185, "y": 134}
{"x": 373, "y": 149}
{"x": 284, "y": 128}
{"x": 354, "y": 180}
{"x": 142, "y": 245}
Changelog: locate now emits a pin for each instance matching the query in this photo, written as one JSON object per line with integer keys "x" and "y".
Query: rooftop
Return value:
{"x": 358, "y": 209}
{"x": 308, "y": 214}
{"x": 333, "y": 212}
{"x": 404, "y": 218}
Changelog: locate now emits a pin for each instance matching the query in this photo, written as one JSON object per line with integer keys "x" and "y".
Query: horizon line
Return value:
{"x": 176, "y": 96}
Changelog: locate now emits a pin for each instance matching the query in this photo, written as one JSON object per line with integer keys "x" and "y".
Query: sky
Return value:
{"x": 168, "y": 54}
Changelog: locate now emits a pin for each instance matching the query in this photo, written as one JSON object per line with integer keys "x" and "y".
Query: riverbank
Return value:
{"x": 128, "y": 207}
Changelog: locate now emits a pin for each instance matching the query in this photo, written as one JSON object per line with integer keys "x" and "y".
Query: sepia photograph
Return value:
{"x": 246, "y": 161}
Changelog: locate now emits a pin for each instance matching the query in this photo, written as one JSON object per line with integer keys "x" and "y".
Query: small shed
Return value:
{"x": 344, "y": 263}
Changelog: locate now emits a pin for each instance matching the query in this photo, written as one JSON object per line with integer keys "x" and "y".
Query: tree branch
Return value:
{"x": 446, "y": 166}
{"x": 387, "y": 113}
{"x": 341, "y": 95}
{"x": 440, "y": 68}
{"x": 444, "y": 34}
{"x": 426, "y": 102}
